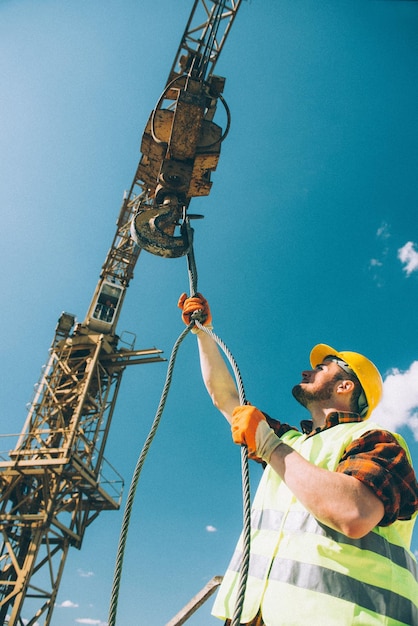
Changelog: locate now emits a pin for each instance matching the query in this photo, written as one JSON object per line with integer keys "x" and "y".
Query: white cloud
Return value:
{"x": 84, "y": 574}
{"x": 409, "y": 257}
{"x": 67, "y": 604}
{"x": 376, "y": 263}
{"x": 383, "y": 231}
{"x": 211, "y": 529}
{"x": 399, "y": 406}
{"x": 91, "y": 622}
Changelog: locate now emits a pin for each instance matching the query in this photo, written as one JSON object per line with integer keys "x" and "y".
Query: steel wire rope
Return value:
{"x": 246, "y": 495}
{"x": 139, "y": 465}
{"x": 141, "y": 459}
{"x": 213, "y": 31}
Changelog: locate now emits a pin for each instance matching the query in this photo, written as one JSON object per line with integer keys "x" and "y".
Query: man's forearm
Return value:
{"x": 216, "y": 376}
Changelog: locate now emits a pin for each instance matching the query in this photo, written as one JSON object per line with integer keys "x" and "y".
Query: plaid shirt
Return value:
{"x": 378, "y": 460}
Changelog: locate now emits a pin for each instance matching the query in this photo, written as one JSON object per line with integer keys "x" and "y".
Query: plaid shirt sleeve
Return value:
{"x": 380, "y": 462}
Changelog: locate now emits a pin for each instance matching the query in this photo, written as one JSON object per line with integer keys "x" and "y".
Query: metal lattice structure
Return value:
{"x": 54, "y": 479}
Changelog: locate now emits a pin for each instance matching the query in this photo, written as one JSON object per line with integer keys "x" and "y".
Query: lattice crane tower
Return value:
{"x": 56, "y": 480}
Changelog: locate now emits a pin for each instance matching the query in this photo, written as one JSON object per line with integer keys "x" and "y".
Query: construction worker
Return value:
{"x": 333, "y": 515}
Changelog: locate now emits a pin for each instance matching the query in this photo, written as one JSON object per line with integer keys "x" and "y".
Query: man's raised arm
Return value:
{"x": 216, "y": 375}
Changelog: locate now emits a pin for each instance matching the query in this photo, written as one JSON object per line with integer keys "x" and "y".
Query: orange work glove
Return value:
{"x": 193, "y": 304}
{"x": 250, "y": 427}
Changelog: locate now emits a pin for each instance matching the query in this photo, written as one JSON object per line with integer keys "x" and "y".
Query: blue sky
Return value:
{"x": 310, "y": 235}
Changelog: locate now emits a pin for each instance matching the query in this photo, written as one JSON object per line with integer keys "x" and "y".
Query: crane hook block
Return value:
{"x": 153, "y": 230}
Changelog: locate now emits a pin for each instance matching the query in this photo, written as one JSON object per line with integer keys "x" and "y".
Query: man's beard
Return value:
{"x": 305, "y": 397}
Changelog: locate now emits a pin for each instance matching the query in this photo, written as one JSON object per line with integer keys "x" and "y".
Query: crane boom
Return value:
{"x": 56, "y": 480}
{"x": 204, "y": 36}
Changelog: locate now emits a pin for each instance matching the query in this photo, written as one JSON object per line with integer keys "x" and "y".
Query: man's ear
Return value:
{"x": 345, "y": 386}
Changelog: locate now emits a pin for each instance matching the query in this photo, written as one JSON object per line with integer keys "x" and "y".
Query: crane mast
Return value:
{"x": 56, "y": 480}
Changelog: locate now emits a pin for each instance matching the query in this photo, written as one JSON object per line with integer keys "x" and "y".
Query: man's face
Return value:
{"x": 318, "y": 384}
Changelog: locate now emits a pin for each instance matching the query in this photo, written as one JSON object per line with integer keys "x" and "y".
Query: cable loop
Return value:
{"x": 139, "y": 465}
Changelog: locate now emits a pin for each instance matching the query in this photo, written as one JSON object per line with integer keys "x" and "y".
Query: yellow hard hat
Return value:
{"x": 366, "y": 372}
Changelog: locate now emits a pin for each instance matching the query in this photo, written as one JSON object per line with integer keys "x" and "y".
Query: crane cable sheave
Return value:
{"x": 181, "y": 143}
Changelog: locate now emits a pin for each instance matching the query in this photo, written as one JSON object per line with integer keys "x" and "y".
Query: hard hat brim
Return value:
{"x": 322, "y": 350}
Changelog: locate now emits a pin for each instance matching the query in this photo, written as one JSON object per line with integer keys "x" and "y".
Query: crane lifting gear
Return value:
{"x": 180, "y": 150}
{"x": 181, "y": 143}
{"x": 192, "y": 271}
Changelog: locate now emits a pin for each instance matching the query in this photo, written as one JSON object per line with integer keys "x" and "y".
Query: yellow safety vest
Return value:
{"x": 303, "y": 573}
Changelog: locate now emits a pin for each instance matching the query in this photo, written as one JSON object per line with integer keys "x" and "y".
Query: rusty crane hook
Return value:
{"x": 153, "y": 228}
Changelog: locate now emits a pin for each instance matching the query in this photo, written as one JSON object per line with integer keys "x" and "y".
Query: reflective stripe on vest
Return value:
{"x": 301, "y": 521}
{"x": 308, "y": 576}
{"x": 296, "y": 562}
